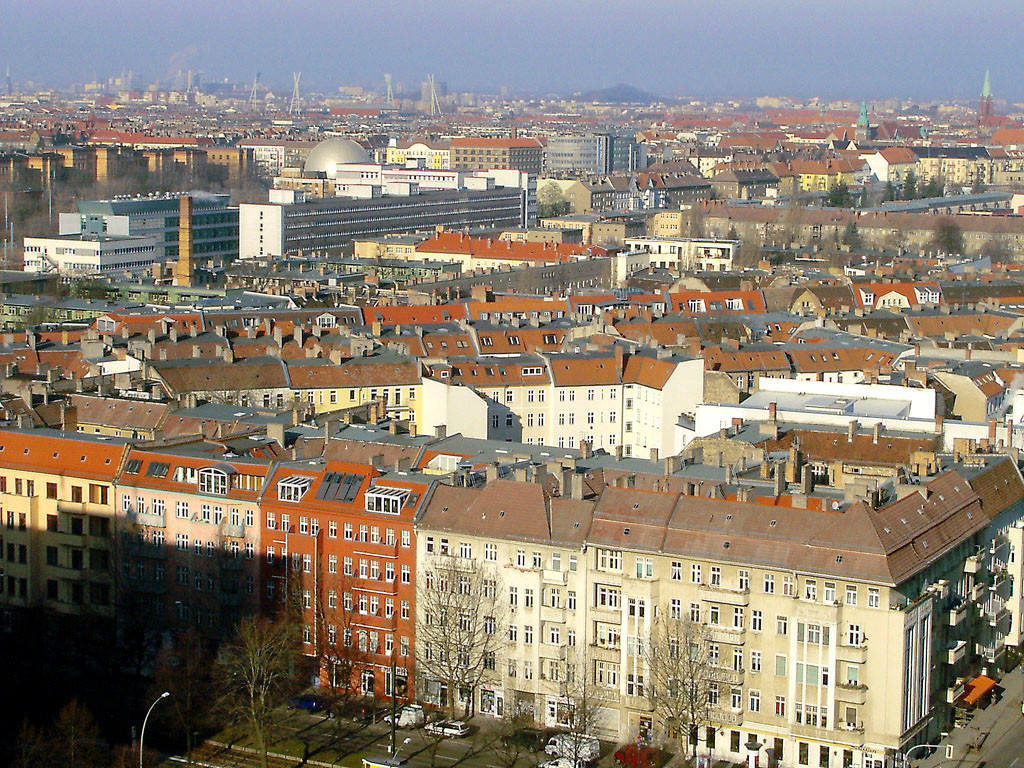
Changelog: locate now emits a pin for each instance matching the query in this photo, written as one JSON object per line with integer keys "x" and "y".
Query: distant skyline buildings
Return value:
{"x": 870, "y": 49}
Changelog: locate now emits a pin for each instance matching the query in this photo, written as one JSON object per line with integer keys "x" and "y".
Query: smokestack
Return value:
{"x": 184, "y": 270}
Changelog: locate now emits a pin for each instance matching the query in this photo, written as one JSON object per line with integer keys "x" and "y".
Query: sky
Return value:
{"x": 701, "y": 48}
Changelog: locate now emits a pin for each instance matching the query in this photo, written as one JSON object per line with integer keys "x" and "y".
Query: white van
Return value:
{"x": 580, "y": 746}
{"x": 409, "y": 716}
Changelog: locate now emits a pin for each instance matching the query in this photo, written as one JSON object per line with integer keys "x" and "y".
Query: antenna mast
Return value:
{"x": 293, "y": 108}
{"x": 252, "y": 93}
{"x": 435, "y": 105}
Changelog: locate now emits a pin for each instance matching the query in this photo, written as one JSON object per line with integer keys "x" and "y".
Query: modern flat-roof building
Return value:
{"x": 287, "y": 223}
{"x": 89, "y": 254}
{"x": 214, "y": 222}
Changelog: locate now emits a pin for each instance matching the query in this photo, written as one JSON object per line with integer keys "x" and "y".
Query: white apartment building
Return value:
{"x": 612, "y": 400}
{"x": 686, "y": 254}
{"x": 81, "y": 255}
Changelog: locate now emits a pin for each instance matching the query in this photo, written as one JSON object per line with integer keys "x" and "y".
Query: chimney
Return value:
{"x": 404, "y": 464}
{"x": 877, "y": 432}
{"x": 654, "y": 454}
{"x": 586, "y": 449}
{"x": 992, "y": 430}
{"x": 744, "y": 494}
{"x": 779, "y": 479}
{"x": 440, "y": 431}
{"x": 275, "y": 431}
{"x": 772, "y": 411}
{"x": 938, "y": 422}
{"x": 852, "y": 430}
{"x": 673, "y": 464}
{"x": 576, "y": 486}
{"x": 806, "y": 480}
{"x": 492, "y": 473}
{"x": 184, "y": 270}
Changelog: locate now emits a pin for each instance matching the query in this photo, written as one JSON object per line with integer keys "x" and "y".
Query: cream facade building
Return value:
{"x": 838, "y": 634}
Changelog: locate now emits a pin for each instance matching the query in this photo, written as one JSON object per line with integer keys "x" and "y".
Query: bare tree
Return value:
{"x": 581, "y": 701}
{"x": 459, "y": 613}
{"x": 338, "y": 654}
{"x": 185, "y": 670}
{"x": 255, "y": 672}
{"x": 682, "y": 674}
{"x": 29, "y": 747}
{"x": 74, "y": 740}
{"x": 509, "y": 745}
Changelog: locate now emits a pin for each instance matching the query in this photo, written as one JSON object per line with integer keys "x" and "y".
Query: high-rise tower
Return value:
{"x": 863, "y": 131}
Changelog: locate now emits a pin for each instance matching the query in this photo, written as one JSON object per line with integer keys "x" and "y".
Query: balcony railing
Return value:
{"x": 957, "y": 653}
{"x": 857, "y": 654}
{"x": 716, "y": 594}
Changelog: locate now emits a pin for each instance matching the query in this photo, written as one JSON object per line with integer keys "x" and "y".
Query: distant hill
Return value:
{"x": 618, "y": 94}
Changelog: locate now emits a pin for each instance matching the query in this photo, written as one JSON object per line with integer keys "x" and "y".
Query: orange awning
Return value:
{"x": 977, "y": 689}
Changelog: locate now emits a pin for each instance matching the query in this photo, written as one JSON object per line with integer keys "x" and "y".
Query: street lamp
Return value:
{"x": 395, "y": 753}
{"x": 142, "y": 735}
{"x": 906, "y": 754}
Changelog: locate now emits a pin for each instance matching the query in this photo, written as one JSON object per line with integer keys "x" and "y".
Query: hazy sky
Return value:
{"x": 844, "y": 48}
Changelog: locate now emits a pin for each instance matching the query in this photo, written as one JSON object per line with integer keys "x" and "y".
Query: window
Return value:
{"x": 787, "y": 586}
{"x": 737, "y": 618}
{"x": 780, "y": 664}
{"x": 538, "y": 560}
{"x": 852, "y": 674}
{"x": 851, "y": 594}
{"x": 520, "y": 558}
{"x": 349, "y": 532}
{"x": 528, "y": 634}
{"x": 780, "y": 706}
{"x": 675, "y": 608}
{"x": 213, "y": 481}
{"x": 755, "y": 620}
{"x": 782, "y": 625}
{"x": 570, "y": 601}
{"x": 810, "y": 589}
{"x": 829, "y": 594}
{"x": 695, "y": 573}
{"x": 677, "y": 571}
{"x": 609, "y": 560}
{"x": 716, "y": 576}
{"x": 754, "y": 700}
{"x": 874, "y": 597}
{"x": 755, "y": 661}
{"x": 644, "y": 567}
{"x": 695, "y": 612}
{"x": 769, "y": 583}
{"x": 743, "y": 579}
{"x": 528, "y": 597}
{"x": 714, "y": 615}
{"x": 491, "y": 552}
{"x": 856, "y": 638}
{"x": 291, "y": 488}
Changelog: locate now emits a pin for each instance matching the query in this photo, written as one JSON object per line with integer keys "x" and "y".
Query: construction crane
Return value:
{"x": 296, "y": 103}
{"x": 252, "y": 93}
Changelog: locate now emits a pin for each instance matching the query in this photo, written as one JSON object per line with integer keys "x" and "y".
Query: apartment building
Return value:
{"x": 481, "y": 154}
{"x": 193, "y": 515}
{"x": 838, "y": 633}
{"x": 338, "y": 542}
{"x": 58, "y": 522}
{"x": 608, "y": 399}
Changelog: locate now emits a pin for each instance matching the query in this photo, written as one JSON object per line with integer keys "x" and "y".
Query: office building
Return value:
{"x": 90, "y": 255}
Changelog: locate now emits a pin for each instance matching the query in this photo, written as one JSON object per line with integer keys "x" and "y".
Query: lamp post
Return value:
{"x": 906, "y": 754}
{"x": 142, "y": 734}
{"x": 394, "y": 754}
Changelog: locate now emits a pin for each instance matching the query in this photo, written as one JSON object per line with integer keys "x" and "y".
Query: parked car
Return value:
{"x": 447, "y": 728}
{"x": 578, "y": 745}
{"x": 632, "y": 756}
{"x": 562, "y": 762}
{"x": 409, "y": 716}
{"x": 308, "y": 702}
{"x": 532, "y": 739}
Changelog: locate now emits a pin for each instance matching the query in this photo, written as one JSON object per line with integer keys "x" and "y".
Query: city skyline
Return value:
{"x": 694, "y": 49}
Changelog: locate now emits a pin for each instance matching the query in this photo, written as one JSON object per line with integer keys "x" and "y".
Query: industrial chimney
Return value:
{"x": 184, "y": 270}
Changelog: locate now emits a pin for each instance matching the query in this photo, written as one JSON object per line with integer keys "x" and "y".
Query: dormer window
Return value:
{"x": 386, "y": 500}
{"x": 293, "y": 488}
{"x": 213, "y": 481}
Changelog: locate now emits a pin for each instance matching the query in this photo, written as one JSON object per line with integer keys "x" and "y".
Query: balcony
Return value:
{"x": 957, "y": 653}
{"x": 84, "y": 508}
{"x": 150, "y": 519}
{"x": 847, "y": 734}
{"x": 956, "y": 691}
{"x": 978, "y": 592}
{"x": 957, "y": 616}
{"x": 740, "y": 597}
{"x": 555, "y": 577}
{"x": 991, "y": 652}
{"x": 974, "y": 563}
{"x": 857, "y": 654}
{"x": 726, "y": 717}
{"x": 726, "y": 675}
{"x": 229, "y": 531}
{"x": 555, "y": 615}
{"x": 851, "y": 694}
{"x": 731, "y": 635}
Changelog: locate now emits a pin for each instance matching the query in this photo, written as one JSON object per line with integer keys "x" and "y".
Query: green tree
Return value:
{"x": 947, "y": 237}
{"x": 910, "y": 186}
{"x": 839, "y": 196}
{"x": 732, "y": 234}
{"x": 551, "y": 201}
{"x": 978, "y": 186}
{"x": 851, "y": 235}
{"x": 890, "y": 192}
{"x": 933, "y": 188}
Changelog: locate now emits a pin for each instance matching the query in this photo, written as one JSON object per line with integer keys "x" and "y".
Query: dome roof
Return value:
{"x": 327, "y": 155}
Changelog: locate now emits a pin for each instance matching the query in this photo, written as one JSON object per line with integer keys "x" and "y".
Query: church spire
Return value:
{"x": 986, "y": 89}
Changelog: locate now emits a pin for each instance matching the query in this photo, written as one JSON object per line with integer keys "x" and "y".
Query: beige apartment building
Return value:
{"x": 839, "y": 632}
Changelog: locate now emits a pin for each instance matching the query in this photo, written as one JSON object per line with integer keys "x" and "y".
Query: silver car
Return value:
{"x": 447, "y": 728}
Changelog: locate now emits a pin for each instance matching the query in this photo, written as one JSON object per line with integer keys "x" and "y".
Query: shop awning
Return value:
{"x": 977, "y": 689}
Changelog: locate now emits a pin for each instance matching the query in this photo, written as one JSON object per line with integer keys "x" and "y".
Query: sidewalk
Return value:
{"x": 997, "y": 719}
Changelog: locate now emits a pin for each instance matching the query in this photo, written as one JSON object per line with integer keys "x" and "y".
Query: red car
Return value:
{"x": 632, "y": 756}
